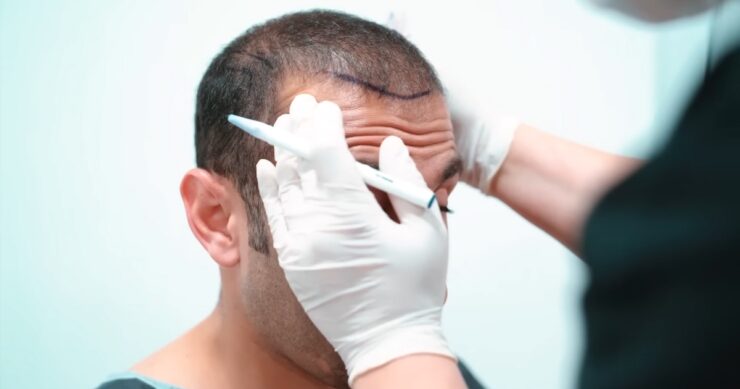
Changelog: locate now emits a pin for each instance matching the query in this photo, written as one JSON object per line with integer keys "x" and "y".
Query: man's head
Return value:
{"x": 384, "y": 87}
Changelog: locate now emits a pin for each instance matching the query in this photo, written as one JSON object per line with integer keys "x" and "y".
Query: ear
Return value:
{"x": 209, "y": 209}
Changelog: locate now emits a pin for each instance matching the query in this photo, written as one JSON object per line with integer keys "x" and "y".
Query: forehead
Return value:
{"x": 422, "y": 122}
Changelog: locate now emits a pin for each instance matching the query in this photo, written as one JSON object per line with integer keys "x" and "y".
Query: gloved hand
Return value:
{"x": 375, "y": 288}
{"x": 483, "y": 138}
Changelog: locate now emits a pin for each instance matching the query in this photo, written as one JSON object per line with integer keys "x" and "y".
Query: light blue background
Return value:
{"x": 97, "y": 265}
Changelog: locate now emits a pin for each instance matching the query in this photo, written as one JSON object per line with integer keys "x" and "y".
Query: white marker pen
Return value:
{"x": 421, "y": 196}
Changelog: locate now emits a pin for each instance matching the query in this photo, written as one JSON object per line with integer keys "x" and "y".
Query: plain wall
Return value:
{"x": 98, "y": 267}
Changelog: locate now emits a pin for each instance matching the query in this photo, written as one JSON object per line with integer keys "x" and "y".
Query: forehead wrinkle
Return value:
{"x": 376, "y": 137}
{"x": 362, "y": 119}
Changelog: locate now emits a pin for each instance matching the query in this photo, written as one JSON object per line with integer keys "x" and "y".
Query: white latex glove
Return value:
{"x": 483, "y": 139}
{"x": 482, "y": 136}
{"x": 375, "y": 288}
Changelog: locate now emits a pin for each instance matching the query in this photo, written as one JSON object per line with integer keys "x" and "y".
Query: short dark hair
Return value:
{"x": 245, "y": 78}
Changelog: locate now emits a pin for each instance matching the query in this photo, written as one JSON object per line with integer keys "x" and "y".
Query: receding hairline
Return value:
{"x": 381, "y": 90}
{"x": 348, "y": 86}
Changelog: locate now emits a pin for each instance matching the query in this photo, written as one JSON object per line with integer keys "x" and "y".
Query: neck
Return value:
{"x": 244, "y": 359}
{"x": 223, "y": 352}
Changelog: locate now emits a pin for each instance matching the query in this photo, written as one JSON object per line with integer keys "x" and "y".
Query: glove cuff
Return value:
{"x": 426, "y": 339}
{"x": 491, "y": 152}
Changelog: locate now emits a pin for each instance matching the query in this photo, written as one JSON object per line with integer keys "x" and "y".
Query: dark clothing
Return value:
{"x": 131, "y": 382}
{"x": 663, "y": 306}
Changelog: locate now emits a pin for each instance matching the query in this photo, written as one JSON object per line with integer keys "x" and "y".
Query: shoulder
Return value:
{"x": 169, "y": 364}
{"x": 185, "y": 362}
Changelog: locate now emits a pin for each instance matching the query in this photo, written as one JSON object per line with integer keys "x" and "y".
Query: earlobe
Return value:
{"x": 208, "y": 211}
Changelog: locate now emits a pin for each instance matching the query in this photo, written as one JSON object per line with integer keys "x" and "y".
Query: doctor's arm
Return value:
{"x": 552, "y": 182}
{"x": 555, "y": 183}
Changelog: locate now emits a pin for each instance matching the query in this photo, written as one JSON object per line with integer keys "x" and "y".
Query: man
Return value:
{"x": 259, "y": 336}
{"x": 662, "y": 239}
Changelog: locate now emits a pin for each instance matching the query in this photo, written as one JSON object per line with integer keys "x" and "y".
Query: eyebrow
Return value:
{"x": 453, "y": 167}
{"x": 379, "y": 89}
